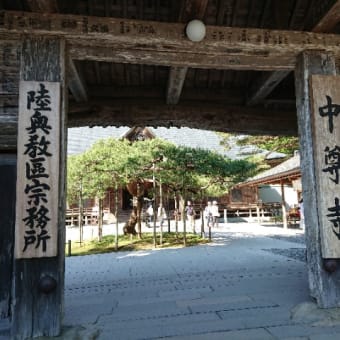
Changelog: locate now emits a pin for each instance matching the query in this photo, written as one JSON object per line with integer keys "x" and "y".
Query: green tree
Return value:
{"x": 105, "y": 166}
{"x": 186, "y": 171}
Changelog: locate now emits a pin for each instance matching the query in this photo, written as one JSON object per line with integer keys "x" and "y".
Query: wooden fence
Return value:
{"x": 90, "y": 216}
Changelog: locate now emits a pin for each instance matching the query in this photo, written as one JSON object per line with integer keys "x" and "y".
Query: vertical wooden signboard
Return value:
{"x": 325, "y": 93}
{"x": 38, "y": 288}
{"x": 36, "y": 232}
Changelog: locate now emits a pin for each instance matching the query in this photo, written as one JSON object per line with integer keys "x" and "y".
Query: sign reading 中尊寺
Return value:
{"x": 326, "y": 137}
{"x": 36, "y": 226}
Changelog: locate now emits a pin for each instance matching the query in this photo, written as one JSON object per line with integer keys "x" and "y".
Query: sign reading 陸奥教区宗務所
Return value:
{"x": 36, "y": 226}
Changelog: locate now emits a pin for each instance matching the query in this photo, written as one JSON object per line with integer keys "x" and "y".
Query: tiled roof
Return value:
{"x": 81, "y": 139}
{"x": 288, "y": 168}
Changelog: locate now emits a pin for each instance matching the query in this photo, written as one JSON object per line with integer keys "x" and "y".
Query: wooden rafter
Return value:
{"x": 76, "y": 82}
{"x": 43, "y": 6}
{"x": 329, "y": 20}
{"x": 191, "y": 9}
{"x": 265, "y": 85}
{"x": 175, "y": 84}
{"x": 262, "y": 86}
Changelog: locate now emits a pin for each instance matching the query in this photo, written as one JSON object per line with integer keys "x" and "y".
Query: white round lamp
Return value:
{"x": 195, "y": 30}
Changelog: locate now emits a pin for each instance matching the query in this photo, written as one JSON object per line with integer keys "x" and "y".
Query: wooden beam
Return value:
{"x": 195, "y": 115}
{"x": 165, "y": 44}
{"x": 219, "y": 61}
{"x": 265, "y": 85}
{"x": 233, "y": 96}
{"x": 191, "y": 9}
{"x": 227, "y": 118}
{"x": 9, "y": 105}
{"x": 76, "y": 82}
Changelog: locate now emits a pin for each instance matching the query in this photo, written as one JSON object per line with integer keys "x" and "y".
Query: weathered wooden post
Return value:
{"x": 319, "y": 131}
{"x": 283, "y": 206}
{"x": 7, "y": 222}
{"x": 40, "y": 209}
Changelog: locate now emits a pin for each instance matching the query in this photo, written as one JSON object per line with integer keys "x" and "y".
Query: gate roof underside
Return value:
{"x": 129, "y": 63}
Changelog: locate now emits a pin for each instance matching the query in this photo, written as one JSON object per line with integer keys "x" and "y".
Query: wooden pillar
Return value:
{"x": 39, "y": 278}
{"x": 7, "y": 222}
{"x": 283, "y": 207}
{"x": 258, "y": 214}
{"x": 324, "y": 284}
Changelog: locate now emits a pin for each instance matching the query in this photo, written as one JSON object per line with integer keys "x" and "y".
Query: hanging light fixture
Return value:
{"x": 195, "y": 30}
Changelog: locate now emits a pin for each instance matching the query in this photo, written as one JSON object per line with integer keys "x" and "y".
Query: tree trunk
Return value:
{"x": 182, "y": 200}
{"x": 139, "y": 210}
{"x": 176, "y": 214}
{"x": 81, "y": 216}
{"x": 100, "y": 220}
{"x": 129, "y": 227}
{"x": 116, "y": 214}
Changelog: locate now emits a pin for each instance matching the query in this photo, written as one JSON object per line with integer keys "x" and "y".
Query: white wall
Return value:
{"x": 272, "y": 193}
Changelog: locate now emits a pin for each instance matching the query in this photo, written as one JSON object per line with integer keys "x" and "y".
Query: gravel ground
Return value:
{"x": 295, "y": 253}
{"x": 298, "y": 238}
{"x": 298, "y": 254}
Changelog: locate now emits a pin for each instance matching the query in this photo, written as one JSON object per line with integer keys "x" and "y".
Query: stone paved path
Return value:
{"x": 245, "y": 285}
{"x": 237, "y": 287}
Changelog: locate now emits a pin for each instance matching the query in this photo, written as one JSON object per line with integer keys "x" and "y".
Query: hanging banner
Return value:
{"x": 36, "y": 226}
{"x": 325, "y": 104}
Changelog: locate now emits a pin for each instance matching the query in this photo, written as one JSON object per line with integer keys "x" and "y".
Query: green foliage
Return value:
{"x": 75, "y": 171}
{"x": 259, "y": 164}
{"x": 282, "y": 144}
{"x": 183, "y": 169}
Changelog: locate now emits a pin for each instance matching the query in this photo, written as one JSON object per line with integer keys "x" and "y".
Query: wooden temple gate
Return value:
{"x": 46, "y": 48}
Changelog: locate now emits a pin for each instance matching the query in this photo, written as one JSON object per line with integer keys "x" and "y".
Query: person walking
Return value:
{"x": 215, "y": 213}
{"x": 161, "y": 214}
{"x": 149, "y": 213}
{"x": 190, "y": 212}
{"x": 208, "y": 214}
{"x": 302, "y": 214}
